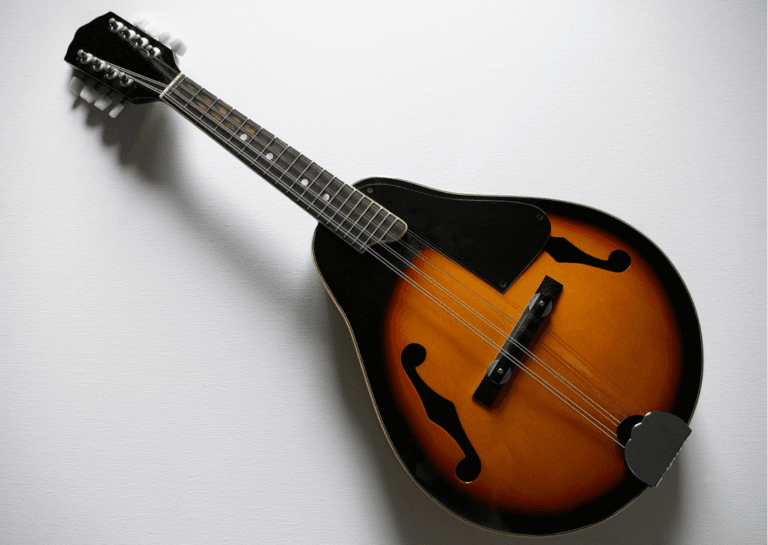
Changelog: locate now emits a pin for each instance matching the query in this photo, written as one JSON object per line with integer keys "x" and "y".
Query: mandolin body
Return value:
{"x": 623, "y": 334}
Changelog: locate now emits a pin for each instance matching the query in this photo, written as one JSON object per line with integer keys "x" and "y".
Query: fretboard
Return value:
{"x": 353, "y": 216}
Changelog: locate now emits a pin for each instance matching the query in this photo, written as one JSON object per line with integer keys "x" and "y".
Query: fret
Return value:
{"x": 322, "y": 192}
{"x": 330, "y": 197}
{"x": 318, "y": 191}
{"x": 384, "y": 231}
{"x": 327, "y": 203}
{"x": 357, "y": 221}
{"x": 302, "y": 170}
{"x": 348, "y": 215}
{"x": 347, "y": 227}
{"x": 368, "y": 223}
{"x": 370, "y": 237}
{"x": 341, "y": 206}
{"x": 288, "y": 170}
{"x": 309, "y": 184}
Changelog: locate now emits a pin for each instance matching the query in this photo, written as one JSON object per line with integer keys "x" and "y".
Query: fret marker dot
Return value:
{"x": 305, "y": 182}
{"x": 326, "y": 197}
{"x": 270, "y": 156}
{"x": 243, "y": 137}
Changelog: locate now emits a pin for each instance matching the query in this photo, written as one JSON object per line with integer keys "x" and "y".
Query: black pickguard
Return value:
{"x": 361, "y": 287}
{"x": 495, "y": 238}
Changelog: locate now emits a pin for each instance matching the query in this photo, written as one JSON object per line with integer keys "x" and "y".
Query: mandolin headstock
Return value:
{"x": 117, "y": 62}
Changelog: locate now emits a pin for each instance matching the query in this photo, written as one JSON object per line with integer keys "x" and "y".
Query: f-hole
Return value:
{"x": 441, "y": 411}
{"x": 563, "y": 250}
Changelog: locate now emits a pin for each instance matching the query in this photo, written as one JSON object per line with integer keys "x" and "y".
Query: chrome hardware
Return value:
{"x": 112, "y": 73}
{"x": 84, "y": 57}
{"x": 116, "y": 26}
{"x": 138, "y": 41}
{"x": 151, "y": 51}
{"x": 125, "y": 81}
{"x": 98, "y": 65}
{"x": 537, "y": 299}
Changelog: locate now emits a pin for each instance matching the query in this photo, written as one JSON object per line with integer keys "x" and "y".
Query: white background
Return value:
{"x": 171, "y": 368}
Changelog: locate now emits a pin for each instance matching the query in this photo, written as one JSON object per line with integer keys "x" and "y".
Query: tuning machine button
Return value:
{"x": 103, "y": 102}
{"x": 76, "y": 85}
{"x": 142, "y": 23}
{"x": 178, "y": 46}
{"x": 145, "y": 23}
{"x": 153, "y": 30}
{"x": 115, "y": 111}
{"x": 89, "y": 94}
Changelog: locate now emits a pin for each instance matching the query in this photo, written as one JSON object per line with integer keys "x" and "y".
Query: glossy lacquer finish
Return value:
{"x": 627, "y": 340}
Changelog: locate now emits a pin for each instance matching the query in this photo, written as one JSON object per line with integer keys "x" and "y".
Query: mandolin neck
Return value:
{"x": 353, "y": 216}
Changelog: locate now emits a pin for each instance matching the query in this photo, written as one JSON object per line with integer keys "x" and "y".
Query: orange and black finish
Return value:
{"x": 543, "y": 453}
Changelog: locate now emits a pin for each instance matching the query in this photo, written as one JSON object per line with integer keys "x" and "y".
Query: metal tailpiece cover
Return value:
{"x": 653, "y": 445}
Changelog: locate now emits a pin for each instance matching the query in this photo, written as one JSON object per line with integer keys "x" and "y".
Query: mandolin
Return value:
{"x": 534, "y": 363}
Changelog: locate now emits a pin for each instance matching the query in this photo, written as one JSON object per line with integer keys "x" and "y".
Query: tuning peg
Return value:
{"x": 84, "y": 57}
{"x": 178, "y": 46}
{"x": 89, "y": 94}
{"x": 145, "y": 24}
{"x": 103, "y": 102}
{"x": 152, "y": 51}
{"x": 141, "y": 22}
{"x": 112, "y": 73}
{"x": 125, "y": 80}
{"x": 116, "y": 26}
{"x": 164, "y": 37}
{"x": 153, "y": 30}
{"x": 76, "y": 85}
{"x": 115, "y": 111}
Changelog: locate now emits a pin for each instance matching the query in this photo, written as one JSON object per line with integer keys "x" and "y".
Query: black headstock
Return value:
{"x": 120, "y": 60}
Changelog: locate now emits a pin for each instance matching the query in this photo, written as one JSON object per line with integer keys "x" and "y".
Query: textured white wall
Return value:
{"x": 154, "y": 294}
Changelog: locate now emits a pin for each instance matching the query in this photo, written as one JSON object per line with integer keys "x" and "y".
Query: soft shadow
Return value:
{"x": 144, "y": 138}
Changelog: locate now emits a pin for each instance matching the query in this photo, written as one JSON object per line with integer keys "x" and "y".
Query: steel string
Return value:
{"x": 157, "y": 86}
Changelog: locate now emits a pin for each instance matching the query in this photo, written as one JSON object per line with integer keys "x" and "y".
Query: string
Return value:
{"x": 477, "y": 332}
{"x": 502, "y": 332}
{"x": 150, "y": 83}
{"x": 487, "y": 304}
{"x": 508, "y": 319}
